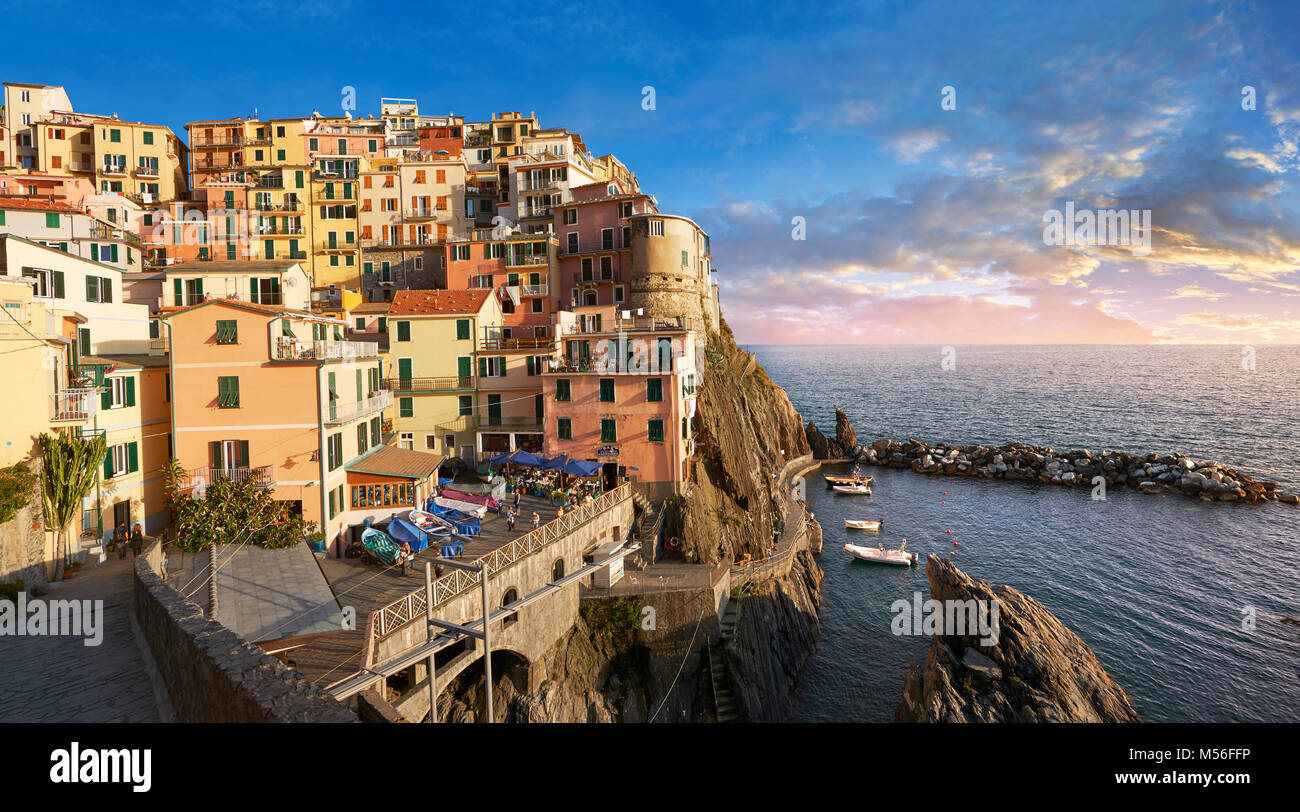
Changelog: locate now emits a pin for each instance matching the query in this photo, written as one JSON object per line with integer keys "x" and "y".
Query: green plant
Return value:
{"x": 230, "y": 512}
{"x": 17, "y": 484}
{"x": 71, "y": 470}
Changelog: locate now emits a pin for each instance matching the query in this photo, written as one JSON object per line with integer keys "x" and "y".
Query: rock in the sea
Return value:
{"x": 1036, "y": 671}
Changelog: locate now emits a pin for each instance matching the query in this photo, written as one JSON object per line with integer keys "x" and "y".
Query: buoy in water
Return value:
{"x": 943, "y": 501}
{"x": 954, "y": 544}
{"x": 950, "y": 532}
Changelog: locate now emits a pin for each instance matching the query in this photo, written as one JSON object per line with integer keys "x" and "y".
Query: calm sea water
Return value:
{"x": 1156, "y": 585}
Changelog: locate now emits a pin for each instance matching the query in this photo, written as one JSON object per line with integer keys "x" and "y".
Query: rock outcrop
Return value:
{"x": 1037, "y": 671}
{"x": 845, "y": 444}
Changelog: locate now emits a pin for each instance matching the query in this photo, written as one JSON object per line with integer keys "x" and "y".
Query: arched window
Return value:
{"x": 557, "y": 569}
{"x": 589, "y": 297}
{"x": 510, "y": 597}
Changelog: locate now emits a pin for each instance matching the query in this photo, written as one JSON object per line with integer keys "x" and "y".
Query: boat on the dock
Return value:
{"x": 879, "y": 555}
{"x": 854, "y": 489}
{"x": 429, "y": 523}
{"x": 379, "y": 543}
{"x": 863, "y": 524}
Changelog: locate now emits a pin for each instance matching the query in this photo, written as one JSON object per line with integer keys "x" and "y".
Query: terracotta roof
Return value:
{"x": 394, "y": 461}
{"x": 233, "y": 266}
{"x": 372, "y": 307}
{"x": 437, "y": 302}
{"x": 12, "y": 203}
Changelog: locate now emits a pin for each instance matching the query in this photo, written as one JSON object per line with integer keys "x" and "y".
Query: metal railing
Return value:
{"x": 292, "y": 349}
{"x": 113, "y": 169}
{"x": 533, "y": 290}
{"x": 449, "y": 384}
{"x": 377, "y": 402}
{"x": 523, "y": 343}
{"x": 147, "y": 171}
{"x": 262, "y": 476}
{"x": 74, "y": 405}
{"x": 228, "y": 141}
{"x": 382, "y": 622}
{"x": 531, "y": 259}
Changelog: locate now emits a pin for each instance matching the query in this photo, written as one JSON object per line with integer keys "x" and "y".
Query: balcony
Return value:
{"x": 288, "y": 348}
{"x": 522, "y": 343}
{"x": 535, "y": 211}
{"x": 276, "y": 182}
{"x": 297, "y": 255}
{"x": 227, "y": 141}
{"x": 411, "y": 385}
{"x": 421, "y": 214}
{"x": 322, "y": 174}
{"x": 514, "y": 260}
{"x": 75, "y": 405}
{"x": 146, "y": 171}
{"x": 263, "y": 476}
{"x": 356, "y": 410}
{"x": 533, "y": 290}
{"x": 113, "y": 170}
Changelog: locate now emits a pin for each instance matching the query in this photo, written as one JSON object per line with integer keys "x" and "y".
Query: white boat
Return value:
{"x": 863, "y": 524}
{"x": 858, "y": 489}
{"x": 879, "y": 555}
{"x": 475, "y": 510}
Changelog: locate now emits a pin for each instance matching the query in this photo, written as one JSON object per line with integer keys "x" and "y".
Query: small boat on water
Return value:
{"x": 863, "y": 524}
{"x": 832, "y": 480}
{"x": 855, "y": 489}
{"x": 879, "y": 555}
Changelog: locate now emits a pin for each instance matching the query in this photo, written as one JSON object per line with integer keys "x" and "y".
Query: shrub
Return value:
{"x": 17, "y": 484}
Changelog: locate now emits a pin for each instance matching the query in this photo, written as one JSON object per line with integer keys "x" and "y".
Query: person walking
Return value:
{"x": 516, "y": 499}
{"x": 137, "y": 540}
{"x": 510, "y": 520}
{"x": 119, "y": 539}
{"x": 537, "y": 520}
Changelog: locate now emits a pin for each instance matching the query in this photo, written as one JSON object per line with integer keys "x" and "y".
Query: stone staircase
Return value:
{"x": 649, "y": 517}
{"x": 723, "y": 699}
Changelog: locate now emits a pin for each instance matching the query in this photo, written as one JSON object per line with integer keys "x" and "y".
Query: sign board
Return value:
{"x": 607, "y": 451}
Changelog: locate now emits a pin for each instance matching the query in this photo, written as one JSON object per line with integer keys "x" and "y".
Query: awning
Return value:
{"x": 517, "y": 457}
{"x": 570, "y": 466}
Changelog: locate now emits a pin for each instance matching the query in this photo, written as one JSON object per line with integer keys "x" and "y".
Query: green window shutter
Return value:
{"x": 105, "y": 397}
{"x": 52, "y": 219}
{"x": 92, "y": 285}
{"x": 359, "y": 397}
{"x": 361, "y": 324}
{"x": 113, "y": 252}
{"x": 132, "y": 458}
{"x": 404, "y": 368}
{"x": 462, "y": 329}
{"x": 253, "y": 290}
{"x": 655, "y": 431}
{"x": 403, "y": 331}
{"x": 564, "y": 428}
{"x": 608, "y": 431}
{"x": 331, "y": 503}
{"x": 243, "y": 454}
{"x": 130, "y": 391}
{"x": 367, "y": 267}
{"x": 532, "y": 365}
{"x": 297, "y": 179}
{"x": 406, "y": 407}
{"x": 501, "y": 366}
{"x": 198, "y": 288}
{"x": 374, "y": 431}
{"x": 108, "y": 464}
{"x": 214, "y": 454}
{"x": 561, "y": 388}
{"x": 179, "y": 292}
{"x": 607, "y": 390}
{"x": 654, "y": 389}
{"x": 482, "y": 367}
{"x": 58, "y": 284}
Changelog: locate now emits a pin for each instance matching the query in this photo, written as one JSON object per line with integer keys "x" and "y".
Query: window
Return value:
{"x": 608, "y": 430}
{"x": 562, "y": 391}
{"x": 406, "y": 440}
{"x": 123, "y": 458}
{"x": 656, "y": 228}
{"x": 99, "y": 289}
{"x": 686, "y": 261}
{"x": 228, "y": 392}
{"x": 462, "y": 329}
{"x": 383, "y": 324}
{"x": 431, "y": 442}
{"x": 607, "y": 239}
{"x": 606, "y": 267}
{"x": 466, "y": 404}
{"x": 361, "y": 438}
{"x": 564, "y": 428}
{"x": 52, "y": 219}
{"x": 148, "y": 137}
{"x": 121, "y": 392}
{"x": 607, "y": 390}
{"x": 655, "y": 431}
{"x": 570, "y": 217}
{"x": 654, "y": 389}
{"x": 334, "y": 450}
{"x": 227, "y": 332}
{"x": 403, "y": 331}
{"x": 625, "y": 210}
{"x": 510, "y": 597}
{"x": 573, "y": 242}
{"x": 115, "y": 136}
{"x": 406, "y": 407}
{"x": 627, "y": 236}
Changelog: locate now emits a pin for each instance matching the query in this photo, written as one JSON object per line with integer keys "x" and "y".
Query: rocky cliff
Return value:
{"x": 844, "y": 446}
{"x": 1036, "y": 671}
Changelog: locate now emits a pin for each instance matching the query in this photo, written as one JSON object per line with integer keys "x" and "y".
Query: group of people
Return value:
{"x": 121, "y": 538}
{"x": 512, "y": 514}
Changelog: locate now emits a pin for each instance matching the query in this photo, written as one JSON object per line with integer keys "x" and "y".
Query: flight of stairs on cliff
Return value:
{"x": 730, "y": 617}
{"x": 648, "y": 517}
{"x": 723, "y": 700}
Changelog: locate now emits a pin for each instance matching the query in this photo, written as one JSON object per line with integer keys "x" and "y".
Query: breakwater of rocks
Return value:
{"x": 1150, "y": 473}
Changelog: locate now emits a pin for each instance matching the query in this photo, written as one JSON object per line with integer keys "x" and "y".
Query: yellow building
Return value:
{"x": 28, "y": 349}
{"x": 433, "y": 340}
{"x": 145, "y": 162}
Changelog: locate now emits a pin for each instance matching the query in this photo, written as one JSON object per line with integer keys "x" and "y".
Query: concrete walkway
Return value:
{"x": 59, "y": 679}
{"x": 268, "y": 594}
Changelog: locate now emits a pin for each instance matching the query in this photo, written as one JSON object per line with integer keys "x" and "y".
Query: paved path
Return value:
{"x": 268, "y": 594}
{"x": 59, "y": 679}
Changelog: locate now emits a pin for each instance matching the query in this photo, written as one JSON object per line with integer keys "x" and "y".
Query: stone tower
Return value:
{"x": 671, "y": 270}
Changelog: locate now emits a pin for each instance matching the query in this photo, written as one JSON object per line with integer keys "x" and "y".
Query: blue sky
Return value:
{"x": 922, "y": 224}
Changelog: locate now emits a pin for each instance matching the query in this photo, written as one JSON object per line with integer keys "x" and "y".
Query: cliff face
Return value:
{"x": 746, "y": 430}
{"x": 845, "y": 444}
{"x": 1038, "y": 670}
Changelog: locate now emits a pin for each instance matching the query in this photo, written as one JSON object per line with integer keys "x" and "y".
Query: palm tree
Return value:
{"x": 70, "y": 471}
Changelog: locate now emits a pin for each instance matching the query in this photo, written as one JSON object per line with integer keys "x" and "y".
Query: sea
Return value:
{"x": 1181, "y": 600}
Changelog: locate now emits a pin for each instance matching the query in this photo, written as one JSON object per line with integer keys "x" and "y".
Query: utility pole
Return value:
{"x": 487, "y": 641}
{"x": 428, "y": 604}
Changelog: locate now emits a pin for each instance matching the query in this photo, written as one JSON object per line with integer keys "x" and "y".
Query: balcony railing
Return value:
{"x": 531, "y": 259}
{"x": 74, "y": 405}
{"x": 292, "y": 349}
{"x": 533, "y": 290}
{"x": 262, "y": 476}
{"x": 227, "y": 141}
{"x": 377, "y": 402}
{"x": 113, "y": 169}
{"x": 147, "y": 171}
{"x": 535, "y": 211}
{"x": 453, "y": 384}
{"x": 270, "y": 183}
{"x": 421, "y": 213}
{"x": 522, "y": 343}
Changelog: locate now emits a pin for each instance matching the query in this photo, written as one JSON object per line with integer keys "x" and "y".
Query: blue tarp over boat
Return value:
{"x": 403, "y": 531}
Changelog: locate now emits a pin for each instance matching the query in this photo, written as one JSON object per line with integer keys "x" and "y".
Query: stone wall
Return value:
{"x": 210, "y": 673}
{"x": 23, "y": 553}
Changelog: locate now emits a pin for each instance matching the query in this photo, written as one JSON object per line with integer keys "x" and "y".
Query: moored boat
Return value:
{"x": 879, "y": 555}
{"x": 855, "y": 489}
{"x": 863, "y": 524}
{"x": 833, "y": 480}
